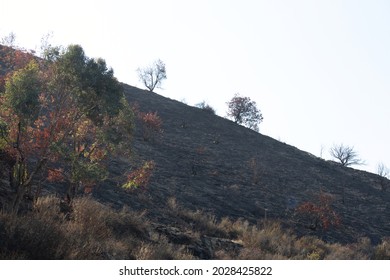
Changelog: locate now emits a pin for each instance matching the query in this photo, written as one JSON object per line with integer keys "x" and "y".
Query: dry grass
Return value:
{"x": 268, "y": 240}
{"x": 198, "y": 221}
{"x": 162, "y": 250}
{"x": 382, "y": 251}
{"x": 92, "y": 230}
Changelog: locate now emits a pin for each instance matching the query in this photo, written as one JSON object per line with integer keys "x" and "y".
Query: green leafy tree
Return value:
{"x": 22, "y": 92}
{"x": 61, "y": 120}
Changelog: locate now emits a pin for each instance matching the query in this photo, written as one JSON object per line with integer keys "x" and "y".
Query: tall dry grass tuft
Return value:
{"x": 266, "y": 242}
{"x": 199, "y": 221}
{"x": 37, "y": 235}
{"x": 90, "y": 231}
{"x": 382, "y": 251}
{"x": 162, "y": 250}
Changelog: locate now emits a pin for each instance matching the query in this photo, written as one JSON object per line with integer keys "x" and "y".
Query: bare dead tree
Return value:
{"x": 382, "y": 170}
{"x": 152, "y": 76}
{"x": 345, "y": 155}
{"x": 384, "y": 174}
{"x": 9, "y": 40}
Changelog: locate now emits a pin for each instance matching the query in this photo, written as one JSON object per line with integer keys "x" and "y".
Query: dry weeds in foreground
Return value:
{"x": 92, "y": 230}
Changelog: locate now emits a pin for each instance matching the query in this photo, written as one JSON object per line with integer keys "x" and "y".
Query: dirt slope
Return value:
{"x": 211, "y": 164}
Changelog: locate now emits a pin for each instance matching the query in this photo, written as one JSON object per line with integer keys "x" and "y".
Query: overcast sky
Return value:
{"x": 318, "y": 70}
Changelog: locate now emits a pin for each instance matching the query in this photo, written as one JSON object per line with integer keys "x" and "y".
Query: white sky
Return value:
{"x": 318, "y": 70}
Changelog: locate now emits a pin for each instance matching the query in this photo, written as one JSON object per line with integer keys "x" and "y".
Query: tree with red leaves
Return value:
{"x": 319, "y": 214}
{"x": 12, "y": 60}
{"x": 151, "y": 125}
{"x": 61, "y": 120}
{"x": 244, "y": 111}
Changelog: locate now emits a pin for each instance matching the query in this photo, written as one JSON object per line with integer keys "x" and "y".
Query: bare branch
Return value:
{"x": 384, "y": 174}
{"x": 9, "y": 40}
{"x": 345, "y": 155}
{"x": 152, "y": 76}
{"x": 383, "y": 171}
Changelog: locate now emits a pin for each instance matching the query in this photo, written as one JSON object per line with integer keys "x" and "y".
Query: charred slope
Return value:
{"x": 212, "y": 164}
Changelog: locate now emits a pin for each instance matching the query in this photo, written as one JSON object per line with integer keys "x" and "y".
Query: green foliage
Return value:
{"x": 140, "y": 177}
{"x": 22, "y": 91}
{"x": 63, "y": 119}
{"x": 3, "y": 134}
{"x": 88, "y": 171}
{"x": 118, "y": 128}
{"x": 92, "y": 84}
